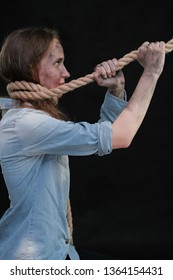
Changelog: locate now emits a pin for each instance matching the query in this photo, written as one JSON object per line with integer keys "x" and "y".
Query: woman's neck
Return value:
{"x": 26, "y": 105}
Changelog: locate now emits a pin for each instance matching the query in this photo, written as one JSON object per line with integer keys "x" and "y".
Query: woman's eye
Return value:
{"x": 58, "y": 61}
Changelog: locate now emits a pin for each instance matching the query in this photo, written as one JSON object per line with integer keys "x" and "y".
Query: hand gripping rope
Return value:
{"x": 30, "y": 91}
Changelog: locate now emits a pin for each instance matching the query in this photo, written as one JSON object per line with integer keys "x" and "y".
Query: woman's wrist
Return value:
{"x": 118, "y": 93}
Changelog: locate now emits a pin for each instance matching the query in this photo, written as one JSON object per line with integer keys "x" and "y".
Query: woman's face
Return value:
{"x": 51, "y": 70}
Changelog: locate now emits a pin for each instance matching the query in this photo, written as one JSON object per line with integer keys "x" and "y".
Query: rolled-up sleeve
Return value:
{"x": 112, "y": 107}
{"x": 105, "y": 138}
{"x": 41, "y": 134}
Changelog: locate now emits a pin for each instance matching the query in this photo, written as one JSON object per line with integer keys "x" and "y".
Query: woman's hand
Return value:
{"x": 151, "y": 56}
{"x": 107, "y": 75}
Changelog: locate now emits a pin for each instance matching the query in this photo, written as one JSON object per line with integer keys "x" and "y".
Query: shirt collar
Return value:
{"x": 6, "y": 104}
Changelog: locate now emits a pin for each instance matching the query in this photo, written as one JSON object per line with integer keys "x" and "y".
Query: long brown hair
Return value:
{"x": 21, "y": 51}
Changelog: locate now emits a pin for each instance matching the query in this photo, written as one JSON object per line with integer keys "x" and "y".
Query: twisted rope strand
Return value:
{"x": 25, "y": 90}
{"x": 70, "y": 220}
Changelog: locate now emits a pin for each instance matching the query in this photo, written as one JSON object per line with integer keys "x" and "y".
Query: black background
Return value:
{"x": 122, "y": 203}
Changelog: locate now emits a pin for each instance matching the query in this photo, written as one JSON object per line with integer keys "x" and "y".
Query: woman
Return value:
{"x": 36, "y": 139}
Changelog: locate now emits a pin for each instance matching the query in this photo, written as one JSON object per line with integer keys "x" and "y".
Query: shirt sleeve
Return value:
{"x": 40, "y": 133}
{"x": 112, "y": 107}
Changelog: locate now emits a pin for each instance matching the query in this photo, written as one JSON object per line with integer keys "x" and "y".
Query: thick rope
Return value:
{"x": 69, "y": 220}
{"x": 30, "y": 91}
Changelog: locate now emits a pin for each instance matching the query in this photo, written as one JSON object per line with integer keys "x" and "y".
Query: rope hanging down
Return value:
{"x": 30, "y": 91}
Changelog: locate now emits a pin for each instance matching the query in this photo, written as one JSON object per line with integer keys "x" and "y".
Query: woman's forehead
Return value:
{"x": 55, "y": 49}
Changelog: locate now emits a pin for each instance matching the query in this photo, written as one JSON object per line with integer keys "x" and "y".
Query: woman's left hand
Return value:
{"x": 107, "y": 75}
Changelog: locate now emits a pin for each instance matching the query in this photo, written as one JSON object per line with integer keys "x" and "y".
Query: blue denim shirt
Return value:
{"x": 34, "y": 150}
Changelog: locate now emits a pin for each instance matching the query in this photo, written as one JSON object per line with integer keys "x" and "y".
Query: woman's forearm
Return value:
{"x": 130, "y": 119}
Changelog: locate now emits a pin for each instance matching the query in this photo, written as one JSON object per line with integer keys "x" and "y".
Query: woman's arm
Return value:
{"x": 151, "y": 57}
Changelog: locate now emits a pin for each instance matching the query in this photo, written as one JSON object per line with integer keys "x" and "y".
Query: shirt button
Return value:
{"x": 66, "y": 242}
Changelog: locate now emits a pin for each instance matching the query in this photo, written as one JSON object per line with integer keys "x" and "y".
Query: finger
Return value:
{"x": 113, "y": 66}
{"x": 99, "y": 74}
{"x": 157, "y": 44}
{"x": 109, "y": 68}
{"x": 145, "y": 44}
{"x": 151, "y": 44}
{"x": 106, "y": 70}
{"x": 100, "y": 68}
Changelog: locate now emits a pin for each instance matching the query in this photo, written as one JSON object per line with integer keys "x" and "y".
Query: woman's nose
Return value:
{"x": 66, "y": 74}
